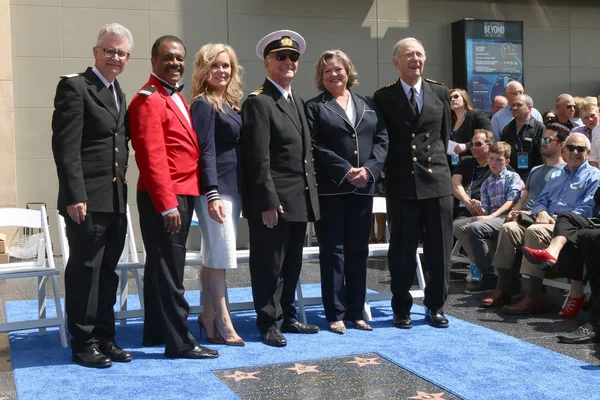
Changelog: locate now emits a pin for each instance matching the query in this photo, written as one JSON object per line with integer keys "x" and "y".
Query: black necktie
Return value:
{"x": 413, "y": 100}
{"x": 291, "y": 101}
{"x": 111, "y": 87}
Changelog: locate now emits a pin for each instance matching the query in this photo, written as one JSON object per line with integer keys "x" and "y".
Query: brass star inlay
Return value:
{"x": 427, "y": 396}
{"x": 301, "y": 369}
{"x": 361, "y": 362}
{"x": 239, "y": 375}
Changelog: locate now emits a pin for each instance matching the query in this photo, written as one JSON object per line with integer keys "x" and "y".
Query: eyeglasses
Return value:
{"x": 455, "y": 96}
{"x": 414, "y": 54}
{"x": 284, "y": 56}
{"x": 479, "y": 144}
{"x": 572, "y": 148}
{"x": 547, "y": 140}
{"x": 110, "y": 53}
{"x": 570, "y": 106}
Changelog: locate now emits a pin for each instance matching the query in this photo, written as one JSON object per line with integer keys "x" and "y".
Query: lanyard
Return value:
{"x": 473, "y": 177}
{"x": 520, "y": 138}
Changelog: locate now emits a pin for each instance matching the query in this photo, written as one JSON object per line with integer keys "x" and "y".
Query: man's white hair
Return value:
{"x": 397, "y": 48}
{"x": 117, "y": 30}
{"x": 588, "y": 145}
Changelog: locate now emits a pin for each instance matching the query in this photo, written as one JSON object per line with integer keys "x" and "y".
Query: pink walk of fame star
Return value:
{"x": 239, "y": 375}
{"x": 361, "y": 362}
{"x": 428, "y": 396}
{"x": 300, "y": 369}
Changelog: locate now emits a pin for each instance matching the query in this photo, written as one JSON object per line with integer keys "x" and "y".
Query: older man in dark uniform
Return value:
{"x": 89, "y": 142}
{"x": 280, "y": 190}
{"x": 419, "y": 189}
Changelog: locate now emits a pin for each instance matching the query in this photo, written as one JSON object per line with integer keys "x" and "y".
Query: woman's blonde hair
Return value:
{"x": 203, "y": 61}
{"x": 348, "y": 66}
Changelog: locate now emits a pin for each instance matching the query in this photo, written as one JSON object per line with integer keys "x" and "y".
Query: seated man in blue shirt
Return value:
{"x": 570, "y": 191}
{"x": 499, "y": 193}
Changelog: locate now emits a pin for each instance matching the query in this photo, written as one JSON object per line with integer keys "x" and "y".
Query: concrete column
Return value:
{"x": 8, "y": 163}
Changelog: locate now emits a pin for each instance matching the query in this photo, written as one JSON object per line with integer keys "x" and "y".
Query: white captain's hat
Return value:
{"x": 280, "y": 40}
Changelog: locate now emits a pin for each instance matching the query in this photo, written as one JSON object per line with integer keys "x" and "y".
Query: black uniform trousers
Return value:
{"x": 570, "y": 259}
{"x": 408, "y": 218}
{"x": 343, "y": 233}
{"x": 589, "y": 242}
{"x": 165, "y": 308}
{"x": 91, "y": 282}
{"x": 275, "y": 263}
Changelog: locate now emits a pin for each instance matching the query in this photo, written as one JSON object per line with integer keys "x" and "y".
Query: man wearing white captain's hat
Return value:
{"x": 280, "y": 189}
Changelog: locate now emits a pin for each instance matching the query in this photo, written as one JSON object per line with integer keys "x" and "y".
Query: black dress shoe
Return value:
{"x": 436, "y": 318}
{"x": 92, "y": 358}
{"x": 298, "y": 327}
{"x": 115, "y": 353}
{"x": 486, "y": 283}
{"x": 196, "y": 353}
{"x": 584, "y": 334}
{"x": 273, "y": 338}
{"x": 402, "y": 321}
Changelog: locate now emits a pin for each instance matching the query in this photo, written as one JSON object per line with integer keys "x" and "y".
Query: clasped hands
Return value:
{"x": 359, "y": 177}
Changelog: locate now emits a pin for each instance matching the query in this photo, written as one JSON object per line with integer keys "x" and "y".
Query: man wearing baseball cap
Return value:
{"x": 280, "y": 194}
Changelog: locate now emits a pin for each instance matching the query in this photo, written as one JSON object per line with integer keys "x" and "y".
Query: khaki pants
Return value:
{"x": 513, "y": 236}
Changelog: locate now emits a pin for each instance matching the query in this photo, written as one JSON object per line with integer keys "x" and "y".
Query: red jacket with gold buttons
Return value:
{"x": 165, "y": 144}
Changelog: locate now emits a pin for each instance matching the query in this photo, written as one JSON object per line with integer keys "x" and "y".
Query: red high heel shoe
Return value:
{"x": 573, "y": 306}
{"x": 214, "y": 340}
{"x": 539, "y": 256}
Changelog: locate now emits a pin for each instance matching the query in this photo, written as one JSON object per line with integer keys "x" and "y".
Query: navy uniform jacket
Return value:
{"x": 339, "y": 146}
{"x": 89, "y": 142}
{"x": 220, "y": 154}
{"x": 416, "y": 167}
{"x": 277, "y": 157}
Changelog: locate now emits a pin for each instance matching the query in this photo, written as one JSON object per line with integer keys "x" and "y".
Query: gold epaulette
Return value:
{"x": 69, "y": 76}
{"x": 148, "y": 90}
{"x": 256, "y": 92}
{"x": 388, "y": 85}
{"x": 432, "y": 81}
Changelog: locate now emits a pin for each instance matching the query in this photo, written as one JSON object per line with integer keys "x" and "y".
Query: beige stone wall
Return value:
{"x": 54, "y": 37}
{"x": 8, "y": 177}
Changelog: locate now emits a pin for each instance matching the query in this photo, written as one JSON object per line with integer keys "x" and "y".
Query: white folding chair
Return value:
{"x": 42, "y": 268}
{"x": 129, "y": 261}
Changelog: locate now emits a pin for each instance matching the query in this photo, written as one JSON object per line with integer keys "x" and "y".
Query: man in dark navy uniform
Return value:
{"x": 89, "y": 142}
{"x": 280, "y": 189}
{"x": 419, "y": 188}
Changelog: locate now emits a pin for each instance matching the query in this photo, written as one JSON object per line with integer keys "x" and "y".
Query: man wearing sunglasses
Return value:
{"x": 566, "y": 202}
{"x": 280, "y": 194}
{"x": 89, "y": 142}
{"x": 565, "y": 111}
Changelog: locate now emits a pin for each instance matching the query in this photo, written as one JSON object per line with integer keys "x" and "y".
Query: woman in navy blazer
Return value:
{"x": 350, "y": 144}
{"x": 216, "y": 94}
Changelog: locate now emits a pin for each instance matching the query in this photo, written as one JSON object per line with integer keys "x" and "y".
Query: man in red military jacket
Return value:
{"x": 166, "y": 152}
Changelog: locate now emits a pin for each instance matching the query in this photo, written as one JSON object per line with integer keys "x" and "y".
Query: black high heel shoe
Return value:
{"x": 214, "y": 340}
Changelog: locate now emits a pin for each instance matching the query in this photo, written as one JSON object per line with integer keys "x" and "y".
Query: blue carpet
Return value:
{"x": 468, "y": 360}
